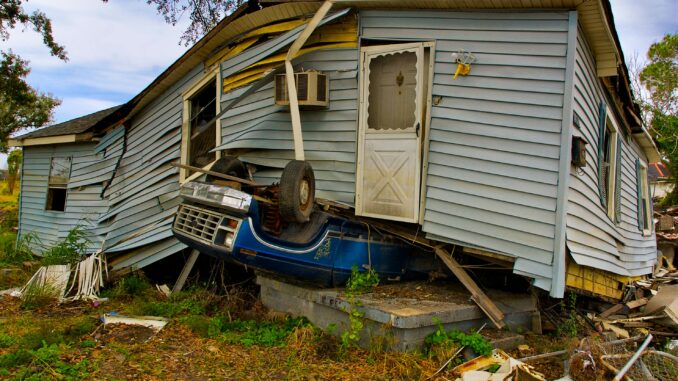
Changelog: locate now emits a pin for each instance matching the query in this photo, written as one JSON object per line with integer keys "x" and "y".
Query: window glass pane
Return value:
{"x": 392, "y": 91}
{"x": 203, "y": 135}
{"x": 59, "y": 171}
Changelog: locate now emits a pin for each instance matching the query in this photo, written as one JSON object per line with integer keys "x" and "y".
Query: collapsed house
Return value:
{"x": 507, "y": 129}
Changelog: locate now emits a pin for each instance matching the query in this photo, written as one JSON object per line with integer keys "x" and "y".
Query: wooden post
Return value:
{"x": 477, "y": 295}
{"x": 185, "y": 271}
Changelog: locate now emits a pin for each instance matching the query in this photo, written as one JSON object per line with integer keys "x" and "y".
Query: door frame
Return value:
{"x": 428, "y": 66}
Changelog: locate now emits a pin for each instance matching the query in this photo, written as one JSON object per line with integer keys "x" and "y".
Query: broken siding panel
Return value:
{"x": 592, "y": 237}
{"x": 147, "y": 255}
{"x": 145, "y": 192}
{"x": 110, "y": 138}
{"x": 495, "y": 135}
{"x": 257, "y": 124}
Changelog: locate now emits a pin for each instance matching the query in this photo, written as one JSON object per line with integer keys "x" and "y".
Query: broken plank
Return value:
{"x": 611, "y": 311}
{"x": 636, "y": 303}
{"x": 637, "y": 324}
{"x": 477, "y": 295}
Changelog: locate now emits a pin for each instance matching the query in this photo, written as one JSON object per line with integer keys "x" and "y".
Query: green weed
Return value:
{"x": 15, "y": 253}
{"x": 443, "y": 340}
{"x": 570, "y": 326}
{"x": 43, "y": 363}
{"x": 69, "y": 250}
{"x": 358, "y": 283}
{"x": 252, "y": 332}
{"x": 361, "y": 282}
{"x": 38, "y": 296}
{"x": 68, "y": 333}
{"x": 129, "y": 286}
{"x": 6, "y": 340}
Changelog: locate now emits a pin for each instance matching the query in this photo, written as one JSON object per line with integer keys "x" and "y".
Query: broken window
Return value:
{"x": 202, "y": 129}
{"x": 59, "y": 172}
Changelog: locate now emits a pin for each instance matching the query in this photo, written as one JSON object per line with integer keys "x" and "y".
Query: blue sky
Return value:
{"x": 117, "y": 48}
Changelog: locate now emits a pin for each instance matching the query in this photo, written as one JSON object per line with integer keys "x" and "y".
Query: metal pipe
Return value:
{"x": 633, "y": 358}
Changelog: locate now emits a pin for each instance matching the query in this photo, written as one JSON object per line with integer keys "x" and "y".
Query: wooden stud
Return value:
{"x": 185, "y": 271}
{"x": 477, "y": 295}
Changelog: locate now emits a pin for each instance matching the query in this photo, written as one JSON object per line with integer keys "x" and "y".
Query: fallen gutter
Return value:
{"x": 291, "y": 83}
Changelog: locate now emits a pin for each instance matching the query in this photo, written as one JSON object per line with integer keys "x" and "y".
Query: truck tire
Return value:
{"x": 297, "y": 191}
{"x": 228, "y": 165}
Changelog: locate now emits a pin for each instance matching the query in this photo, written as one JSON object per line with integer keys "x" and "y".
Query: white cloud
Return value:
{"x": 73, "y": 107}
{"x": 641, "y": 23}
{"x": 115, "y": 50}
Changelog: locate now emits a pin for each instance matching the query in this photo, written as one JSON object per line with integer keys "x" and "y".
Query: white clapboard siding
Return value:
{"x": 593, "y": 238}
{"x": 495, "y": 134}
{"x": 84, "y": 202}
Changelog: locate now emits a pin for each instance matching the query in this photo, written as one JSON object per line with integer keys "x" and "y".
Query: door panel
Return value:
{"x": 389, "y": 143}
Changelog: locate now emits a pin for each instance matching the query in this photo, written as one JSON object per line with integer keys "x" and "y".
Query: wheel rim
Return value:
{"x": 304, "y": 192}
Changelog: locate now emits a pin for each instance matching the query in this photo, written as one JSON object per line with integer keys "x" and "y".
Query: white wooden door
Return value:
{"x": 390, "y": 128}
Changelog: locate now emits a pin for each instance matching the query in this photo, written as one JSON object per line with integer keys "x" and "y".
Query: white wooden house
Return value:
{"x": 482, "y": 160}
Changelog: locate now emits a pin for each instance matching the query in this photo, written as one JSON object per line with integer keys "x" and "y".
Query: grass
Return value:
{"x": 209, "y": 337}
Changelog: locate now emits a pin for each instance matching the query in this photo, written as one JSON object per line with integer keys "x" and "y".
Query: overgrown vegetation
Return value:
{"x": 569, "y": 327}
{"x": 358, "y": 283}
{"x": 442, "y": 343}
{"x": 69, "y": 250}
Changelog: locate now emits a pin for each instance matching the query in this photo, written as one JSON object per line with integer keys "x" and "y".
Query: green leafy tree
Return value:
{"x": 660, "y": 78}
{"x": 21, "y": 106}
{"x": 14, "y": 160}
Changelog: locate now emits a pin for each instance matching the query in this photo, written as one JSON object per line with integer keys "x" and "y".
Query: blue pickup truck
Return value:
{"x": 227, "y": 223}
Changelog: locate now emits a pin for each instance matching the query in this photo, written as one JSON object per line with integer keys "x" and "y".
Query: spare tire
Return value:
{"x": 228, "y": 165}
{"x": 297, "y": 191}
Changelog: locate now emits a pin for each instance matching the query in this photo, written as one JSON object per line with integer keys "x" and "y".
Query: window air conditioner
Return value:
{"x": 312, "y": 89}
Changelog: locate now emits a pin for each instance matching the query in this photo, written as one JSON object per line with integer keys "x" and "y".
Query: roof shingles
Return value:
{"x": 73, "y": 126}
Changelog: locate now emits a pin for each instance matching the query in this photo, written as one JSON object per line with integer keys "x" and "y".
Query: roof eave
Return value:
{"x": 48, "y": 140}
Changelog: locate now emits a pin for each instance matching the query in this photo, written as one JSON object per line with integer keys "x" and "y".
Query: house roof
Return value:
{"x": 595, "y": 19}
{"x": 656, "y": 171}
{"x": 75, "y": 129}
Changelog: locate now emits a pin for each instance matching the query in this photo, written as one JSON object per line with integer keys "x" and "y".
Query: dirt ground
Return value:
{"x": 177, "y": 352}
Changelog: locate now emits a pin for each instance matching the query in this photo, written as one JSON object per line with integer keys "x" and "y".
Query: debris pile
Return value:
{"x": 649, "y": 306}
{"x": 498, "y": 366}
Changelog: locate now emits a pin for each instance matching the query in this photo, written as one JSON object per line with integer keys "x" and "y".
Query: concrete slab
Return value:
{"x": 397, "y": 316}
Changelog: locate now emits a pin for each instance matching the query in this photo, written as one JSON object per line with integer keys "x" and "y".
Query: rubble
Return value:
{"x": 498, "y": 366}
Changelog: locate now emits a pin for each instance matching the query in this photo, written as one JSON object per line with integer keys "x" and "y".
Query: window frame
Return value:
{"x": 647, "y": 223}
{"x": 212, "y": 75}
{"x": 63, "y": 186}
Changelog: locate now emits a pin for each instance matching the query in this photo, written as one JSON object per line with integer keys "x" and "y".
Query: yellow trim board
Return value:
{"x": 277, "y": 28}
{"x": 597, "y": 282}
{"x": 61, "y": 139}
{"x": 230, "y": 51}
{"x": 258, "y": 69}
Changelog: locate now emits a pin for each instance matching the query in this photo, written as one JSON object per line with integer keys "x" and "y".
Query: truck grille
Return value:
{"x": 198, "y": 223}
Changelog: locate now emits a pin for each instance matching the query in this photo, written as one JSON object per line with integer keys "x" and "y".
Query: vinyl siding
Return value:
{"x": 494, "y": 139}
{"x": 84, "y": 203}
{"x": 131, "y": 219}
{"x": 592, "y": 237}
{"x": 265, "y": 129}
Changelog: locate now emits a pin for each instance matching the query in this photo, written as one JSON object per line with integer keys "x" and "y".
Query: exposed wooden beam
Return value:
{"x": 477, "y": 295}
{"x": 185, "y": 271}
